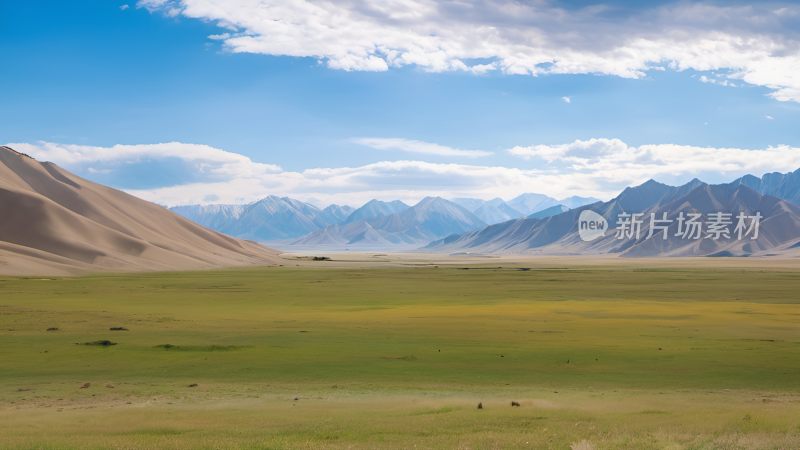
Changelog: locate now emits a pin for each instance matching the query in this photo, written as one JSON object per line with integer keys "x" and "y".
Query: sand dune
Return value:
{"x": 53, "y": 222}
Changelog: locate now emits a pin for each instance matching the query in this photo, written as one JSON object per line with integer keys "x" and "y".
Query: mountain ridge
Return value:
{"x": 430, "y": 218}
{"x": 558, "y": 234}
{"x": 57, "y": 222}
{"x": 287, "y": 220}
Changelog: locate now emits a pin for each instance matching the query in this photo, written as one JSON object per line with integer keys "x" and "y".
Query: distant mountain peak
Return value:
{"x": 652, "y": 183}
{"x": 577, "y": 201}
{"x": 785, "y": 186}
{"x": 491, "y": 211}
{"x": 433, "y": 200}
{"x": 376, "y": 208}
{"x": 530, "y": 203}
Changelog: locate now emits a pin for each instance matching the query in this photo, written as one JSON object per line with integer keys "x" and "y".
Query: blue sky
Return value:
{"x": 83, "y": 77}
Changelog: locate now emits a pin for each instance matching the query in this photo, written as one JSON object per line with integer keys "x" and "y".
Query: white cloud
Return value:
{"x": 566, "y": 99}
{"x": 153, "y": 5}
{"x": 614, "y": 160}
{"x": 573, "y": 152}
{"x": 768, "y": 117}
{"x": 754, "y": 43}
{"x": 412, "y": 146}
{"x": 124, "y": 7}
{"x": 716, "y": 80}
{"x": 206, "y": 161}
{"x": 388, "y": 180}
{"x": 595, "y": 167}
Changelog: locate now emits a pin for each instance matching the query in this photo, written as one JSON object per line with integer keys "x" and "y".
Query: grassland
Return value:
{"x": 598, "y": 356}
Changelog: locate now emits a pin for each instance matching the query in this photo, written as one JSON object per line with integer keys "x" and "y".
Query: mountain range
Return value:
{"x": 781, "y": 185}
{"x": 296, "y": 223}
{"x": 271, "y": 218}
{"x": 57, "y": 223}
{"x": 774, "y": 199}
{"x": 431, "y": 218}
{"x": 374, "y": 208}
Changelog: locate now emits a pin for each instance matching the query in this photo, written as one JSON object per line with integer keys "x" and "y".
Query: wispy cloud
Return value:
{"x": 595, "y": 167}
{"x": 421, "y": 147}
{"x": 717, "y": 80}
{"x": 566, "y": 99}
{"x": 755, "y": 43}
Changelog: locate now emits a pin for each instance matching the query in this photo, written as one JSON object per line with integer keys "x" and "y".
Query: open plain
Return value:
{"x": 368, "y": 351}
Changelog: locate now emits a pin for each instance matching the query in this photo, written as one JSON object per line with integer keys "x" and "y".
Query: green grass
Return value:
{"x": 607, "y": 356}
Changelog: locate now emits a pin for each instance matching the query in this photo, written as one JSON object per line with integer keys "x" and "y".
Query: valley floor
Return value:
{"x": 397, "y": 354}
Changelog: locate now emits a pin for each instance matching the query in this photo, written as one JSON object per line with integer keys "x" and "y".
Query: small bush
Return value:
{"x": 100, "y": 343}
